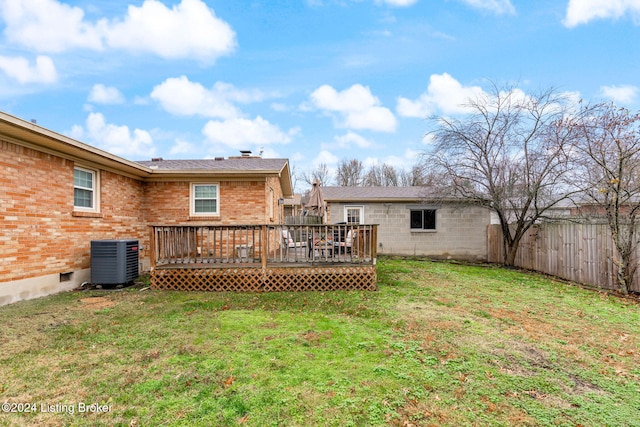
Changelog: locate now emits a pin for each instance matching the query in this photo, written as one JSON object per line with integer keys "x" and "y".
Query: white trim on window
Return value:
{"x": 86, "y": 189}
{"x": 204, "y": 199}
{"x": 354, "y": 214}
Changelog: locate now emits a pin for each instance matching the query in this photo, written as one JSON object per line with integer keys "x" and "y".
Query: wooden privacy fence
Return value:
{"x": 583, "y": 253}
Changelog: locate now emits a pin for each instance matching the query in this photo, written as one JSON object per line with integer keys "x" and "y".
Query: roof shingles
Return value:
{"x": 375, "y": 193}
{"x": 236, "y": 164}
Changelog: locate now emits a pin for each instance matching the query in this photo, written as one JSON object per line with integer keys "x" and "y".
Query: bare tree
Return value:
{"x": 610, "y": 146}
{"x": 509, "y": 154}
{"x": 390, "y": 175}
{"x": 293, "y": 171}
{"x": 373, "y": 177}
{"x": 381, "y": 176}
{"x": 416, "y": 176}
{"x": 321, "y": 174}
{"x": 350, "y": 173}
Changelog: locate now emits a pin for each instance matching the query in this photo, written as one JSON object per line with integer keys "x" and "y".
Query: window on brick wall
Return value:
{"x": 85, "y": 189}
{"x": 423, "y": 219}
{"x": 205, "y": 199}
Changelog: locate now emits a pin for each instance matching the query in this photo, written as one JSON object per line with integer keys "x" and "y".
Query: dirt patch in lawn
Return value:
{"x": 96, "y": 303}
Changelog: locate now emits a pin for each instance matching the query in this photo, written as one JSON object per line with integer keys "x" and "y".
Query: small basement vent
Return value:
{"x": 114, "y": 262}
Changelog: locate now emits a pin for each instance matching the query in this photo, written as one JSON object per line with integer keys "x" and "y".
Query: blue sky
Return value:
{"x": 315, "y": 81}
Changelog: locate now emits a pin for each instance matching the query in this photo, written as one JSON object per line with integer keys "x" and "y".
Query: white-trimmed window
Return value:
{"x": 85, "y": 189}
{"x": 205, "y": 199}
{"x": 353, "y": 214}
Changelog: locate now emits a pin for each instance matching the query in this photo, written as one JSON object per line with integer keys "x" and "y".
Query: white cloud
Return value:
{"x": 572, "y": 97}
{"x": 406, "y": 161}
{"x": 412, "y": 156}
{"x": 421, "y": 107}
{"x": 499, "y": 7}
{"x": 18, "y": 68}
{"x": 624, "y": 94}
{"x": 188, "y": 30}
{"x": 297, "y": 157}
{"x": 243, "y": 96}
{"x": 182, "y": 147}
{"x": 119, "y": 140}
{"x": 356, "y": 98}
{"x": 583, "y": 11}
{"x": 373, "y": 118}
{"x": 444, "y": 94}
{"x": 428, "y": 139}
{"x": 351, "y": 139}
{"x": 357, "y": 106}
{"x": 325, "y": 157}
{"x": 402, "y": 162}
{"x": 101, "y": 94}
{"x": 180, "y": 96}
{"x": 48, "y": 26}
{"x": 239, "y": 132}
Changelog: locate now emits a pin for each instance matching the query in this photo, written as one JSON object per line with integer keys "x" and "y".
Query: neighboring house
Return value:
{"x": 597, "y": 212}
{"x": 293, "y": 205}
{"x": 58, "y": 194}
{"x": 410, "y": 223}
{"x": 563, "y": 210}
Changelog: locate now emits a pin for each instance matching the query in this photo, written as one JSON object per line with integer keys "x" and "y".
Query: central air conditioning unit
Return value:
{"x": 114, "y": 262}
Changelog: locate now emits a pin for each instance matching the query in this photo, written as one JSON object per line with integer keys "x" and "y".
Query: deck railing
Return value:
{"x": 263, "y": 244}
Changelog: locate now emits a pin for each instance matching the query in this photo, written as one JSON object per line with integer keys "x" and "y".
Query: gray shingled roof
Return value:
{"x": 375, "y": 193}
{"x": 233, "y": 164}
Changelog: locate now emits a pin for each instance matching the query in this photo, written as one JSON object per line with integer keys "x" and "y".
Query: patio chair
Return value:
{"x": 288, "y": 241}
{"x": 343, "y": 242}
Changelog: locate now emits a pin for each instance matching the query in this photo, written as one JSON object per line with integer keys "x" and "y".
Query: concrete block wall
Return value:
{"x": 461, "y": 232}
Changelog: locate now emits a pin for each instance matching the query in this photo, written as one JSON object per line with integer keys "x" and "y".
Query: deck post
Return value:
{"x": 263, "y": 246}
{"x": 374, "y": 243}
{"x": 152, "y": 248}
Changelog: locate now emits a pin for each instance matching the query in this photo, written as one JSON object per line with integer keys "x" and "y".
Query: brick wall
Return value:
{"x": 240, "y": 202}
{"x": 42, "y": 236}
{"x": 40, "y": 233}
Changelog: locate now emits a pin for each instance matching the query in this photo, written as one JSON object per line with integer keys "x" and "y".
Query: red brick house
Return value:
{"x": 58, "y": 194}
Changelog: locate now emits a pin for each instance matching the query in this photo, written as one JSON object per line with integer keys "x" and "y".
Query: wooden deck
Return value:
{"x": 264, "y": 258}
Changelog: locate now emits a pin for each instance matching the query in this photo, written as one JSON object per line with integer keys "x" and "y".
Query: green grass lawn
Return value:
{"x": 439, "y": 344}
